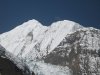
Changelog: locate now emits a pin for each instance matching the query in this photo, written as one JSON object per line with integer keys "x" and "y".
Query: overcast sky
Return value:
{"x": 15, "y": 12}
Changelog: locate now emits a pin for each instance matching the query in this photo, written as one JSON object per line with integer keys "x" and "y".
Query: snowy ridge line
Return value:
{"x": 33, "y": 31}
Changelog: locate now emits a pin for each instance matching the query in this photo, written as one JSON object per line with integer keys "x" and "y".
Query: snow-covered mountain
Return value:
{"x": 56, "y": 47}
{"x": 32, "y": 37}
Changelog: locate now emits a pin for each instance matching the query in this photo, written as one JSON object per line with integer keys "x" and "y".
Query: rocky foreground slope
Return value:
{"x": 64, "y": 48}
{"x": 11, "y": 65}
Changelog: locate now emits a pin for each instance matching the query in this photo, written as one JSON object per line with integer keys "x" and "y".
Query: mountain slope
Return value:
{"x": 78, "y": 51}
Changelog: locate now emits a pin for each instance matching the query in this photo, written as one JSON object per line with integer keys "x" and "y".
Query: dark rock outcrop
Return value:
{"x": 7, "y": 67}
{"x": 11, "y": 65}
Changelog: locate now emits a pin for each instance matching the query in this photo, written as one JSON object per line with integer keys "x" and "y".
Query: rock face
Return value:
{"x": 78, "y": 51}
{"x": 10, "y": 67}
{"x": 64, "y": 48}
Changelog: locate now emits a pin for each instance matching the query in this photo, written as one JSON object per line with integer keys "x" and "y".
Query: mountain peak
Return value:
{"x": 31, "y": 23}
{"x": 63, "y": 22}
{"x": 67, "y": 25}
